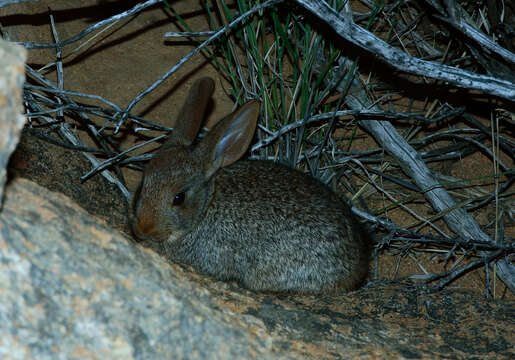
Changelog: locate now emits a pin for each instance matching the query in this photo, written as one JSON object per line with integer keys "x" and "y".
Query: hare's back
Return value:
{"x": 268, "y": 189}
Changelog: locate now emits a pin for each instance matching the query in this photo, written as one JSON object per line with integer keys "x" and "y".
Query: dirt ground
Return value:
{"x": 122, "y": 61}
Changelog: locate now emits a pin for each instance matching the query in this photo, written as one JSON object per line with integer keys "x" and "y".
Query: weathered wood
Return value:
{"x": 402, "y": 61}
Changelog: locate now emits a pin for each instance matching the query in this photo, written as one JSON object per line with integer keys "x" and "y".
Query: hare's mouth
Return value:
{"x": 144, "y": 231}
{"x": 147, "y": 231}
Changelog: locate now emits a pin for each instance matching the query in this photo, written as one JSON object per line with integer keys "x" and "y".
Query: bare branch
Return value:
{"x": 355, "y": 34}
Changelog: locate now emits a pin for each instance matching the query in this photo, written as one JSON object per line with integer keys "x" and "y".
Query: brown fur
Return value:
{"x": 268, "y": 227}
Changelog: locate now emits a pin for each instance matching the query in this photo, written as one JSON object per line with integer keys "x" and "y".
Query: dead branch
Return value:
{"x": 347, "y": 29}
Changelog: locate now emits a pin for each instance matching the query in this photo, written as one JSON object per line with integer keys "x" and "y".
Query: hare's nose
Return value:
{"x": 144, "y": 229}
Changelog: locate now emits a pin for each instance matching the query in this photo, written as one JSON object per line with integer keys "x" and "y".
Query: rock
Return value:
{"x": 71, "y": 287}
{"x": 12, "y": 77}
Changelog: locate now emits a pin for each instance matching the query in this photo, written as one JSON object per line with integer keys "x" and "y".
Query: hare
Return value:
{"x": 262, "y": 224}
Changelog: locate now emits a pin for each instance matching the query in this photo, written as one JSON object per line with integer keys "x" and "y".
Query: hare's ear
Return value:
{"x": 192, "y": 112}
{"x": 231, "y": 136}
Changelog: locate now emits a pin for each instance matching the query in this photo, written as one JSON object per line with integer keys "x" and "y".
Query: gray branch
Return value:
{"x": 364, "y": 39}
{"x": 11, "y": 2}
{"x": 458, "y": 220}
{"x": 455, "y": 17}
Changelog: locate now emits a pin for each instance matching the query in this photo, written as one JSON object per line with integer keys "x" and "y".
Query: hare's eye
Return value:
{"x": 178, "y": 199}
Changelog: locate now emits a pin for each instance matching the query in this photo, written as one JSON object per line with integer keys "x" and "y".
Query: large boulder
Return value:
{"x": 72, "y": 287}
